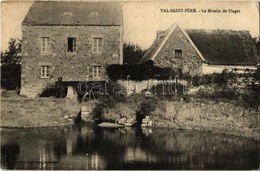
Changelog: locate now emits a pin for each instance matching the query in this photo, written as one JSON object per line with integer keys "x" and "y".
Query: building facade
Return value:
{"x": 71, "y": 40}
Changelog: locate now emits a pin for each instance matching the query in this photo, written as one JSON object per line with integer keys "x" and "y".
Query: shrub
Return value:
{"x": 160, "y": 111}
{"x": 98, "y": 110}
{"x": 139, "y": 72}
{"x": 221, "y": 93}
{"x": 256, "y": 74}
{"x": 147, "y": 106}
{"x": 120, "y": 110}
{"x": 107, "y": 112}
{"x": 11, "y": 77}
{"x": 132, "y": 53}
{"x": 226, "y": 77}
{"x": 105, "y": 91}
{"x": 168, "y": 89}
{"x": 252, "y": 97}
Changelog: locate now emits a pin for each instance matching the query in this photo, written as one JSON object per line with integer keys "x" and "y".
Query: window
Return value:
{"x": 178, "y": 53}
{"x": 97, "y": 47}
{"x": 96, "y": 71}
{"x": 71, "y": 44}
{"x": 67, "y": 13}
{"x": 94, "y": 13}
{"x": 45, "y": 44}
{"x": 45, "y": 71}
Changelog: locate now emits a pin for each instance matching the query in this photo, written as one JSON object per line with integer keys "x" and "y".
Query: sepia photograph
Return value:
{"x": 130, "y": 85}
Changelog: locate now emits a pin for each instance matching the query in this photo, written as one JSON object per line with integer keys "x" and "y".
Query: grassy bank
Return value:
{"x": 178, "y": 112}
{"x": 22, "y": 112}
{"x": 220, "y": 116}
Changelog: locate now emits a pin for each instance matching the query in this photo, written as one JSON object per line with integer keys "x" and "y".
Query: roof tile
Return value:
{"x": 74, "y": 13}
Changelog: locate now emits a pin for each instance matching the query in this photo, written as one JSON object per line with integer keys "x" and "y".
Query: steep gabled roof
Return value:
{"x": 217, "y": 47}
{"x": 74, "y": 13}
{"x": 225, "y": 47}
{"x": 158, "y": 43}
{"x": 156, "y": 46}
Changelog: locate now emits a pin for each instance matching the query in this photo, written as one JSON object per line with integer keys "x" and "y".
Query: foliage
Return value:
{"x": 256, "y": 74}
{"x": 222, "y": 79}
{"x": 221, "y": 93}
{"x": 132, "y": 53}
{"x": 136, "y": 104}
{"x": 115, "y": 94}
{"x": 160, "y": 111}
{"x": 147, "y": 107}
{"x": 111, "y": 109}
{"x": 231, "y": 85}
{"x": 120, "y": 110}
{"x": 257, "y": 43}
{"x": 98, "y": 110}
{"x": 252, "y": 97}
{"x": 12, "y": 56}
{"x": 139, "y": 72}
{"x": 10, "y": 66}
{"x": 11, "y": 77}
{"x": 109, "y": 99}
{"x": 168, "y": 89}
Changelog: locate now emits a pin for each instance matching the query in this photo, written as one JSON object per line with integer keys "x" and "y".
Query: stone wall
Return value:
{"x": 71, "y": 66}
{"x": 190, "y": 62}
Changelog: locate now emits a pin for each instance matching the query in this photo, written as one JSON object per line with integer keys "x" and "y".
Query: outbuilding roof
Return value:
{"x": 74, "y": 13}
{"x": 225, "y": 47}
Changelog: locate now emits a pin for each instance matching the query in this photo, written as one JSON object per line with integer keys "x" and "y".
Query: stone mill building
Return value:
{"x": 72, "y": 40}
{"x": 198, "y": 52}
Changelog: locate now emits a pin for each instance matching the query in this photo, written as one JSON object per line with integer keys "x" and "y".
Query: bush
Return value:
{"x": 160, "y": 111}
{"x": 252, "y": 98}
{"x": 168, "y": 89}
{"x": 225, "y": 78}
{"x": 132, "y": 53}
{"x": 256, "y": 74}
{"x": 221, "y": 92}
{"x": 11, "y": 77}
{"x": 139, "y": 72}
{"x": 120, "y": 110}
{"x": 215, "y": 78}
{"x": 98, "y": 110}
{"x": 147, "y": 106}
{"x": 105, "y": 91}
{"x": 110, "y": 111}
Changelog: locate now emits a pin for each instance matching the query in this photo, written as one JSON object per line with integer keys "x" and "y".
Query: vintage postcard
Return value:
{"x": 130, "y": 85}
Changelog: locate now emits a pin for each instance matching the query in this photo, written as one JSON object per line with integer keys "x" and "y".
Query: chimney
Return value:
{"x": 159, "y": 34}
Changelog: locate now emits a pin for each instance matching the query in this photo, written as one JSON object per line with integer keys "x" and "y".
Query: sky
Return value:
{"x": 143, "y": 19}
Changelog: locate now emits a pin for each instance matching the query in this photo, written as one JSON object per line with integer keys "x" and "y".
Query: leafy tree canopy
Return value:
{"x": 12, "y": 55}
{"x": 132, "y": 53}
{"x": 10, "y": 66}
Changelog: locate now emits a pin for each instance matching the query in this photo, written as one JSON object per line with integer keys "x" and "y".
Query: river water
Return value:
{"x": 91, "y": 147}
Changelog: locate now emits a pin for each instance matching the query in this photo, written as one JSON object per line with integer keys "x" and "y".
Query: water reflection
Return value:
{"x": 91, "y": 147}
{"x": 11, "y": 152}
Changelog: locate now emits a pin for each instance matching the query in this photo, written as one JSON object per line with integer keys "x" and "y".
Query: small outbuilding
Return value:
{"x": 198, "y": 52}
